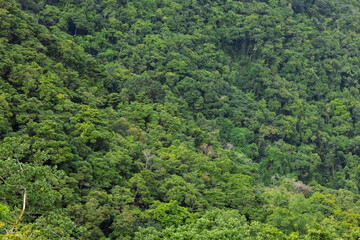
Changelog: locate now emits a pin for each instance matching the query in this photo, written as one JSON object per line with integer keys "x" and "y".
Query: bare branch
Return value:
{"x": 7, "y": 182}
{"x": 22, "y": 211}
{"x": 17, "y": 160}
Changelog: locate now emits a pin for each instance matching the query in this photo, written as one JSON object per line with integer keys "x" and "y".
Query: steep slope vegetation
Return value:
{"x": 179, "y": 119}
{"x": 278, "y": 79}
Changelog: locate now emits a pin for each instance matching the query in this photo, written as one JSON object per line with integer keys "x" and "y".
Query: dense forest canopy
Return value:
{"x": 169, "y": 119}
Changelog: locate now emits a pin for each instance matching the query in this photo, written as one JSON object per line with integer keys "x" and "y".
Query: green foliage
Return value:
{"x": 215, "y": 224}
{"x": 179, "y": 119}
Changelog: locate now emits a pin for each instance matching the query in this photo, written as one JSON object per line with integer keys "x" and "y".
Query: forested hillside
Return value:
{"x": 179, "y": 119}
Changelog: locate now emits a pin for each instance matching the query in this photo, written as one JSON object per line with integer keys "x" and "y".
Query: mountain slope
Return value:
{"x": 179, "y": 119}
